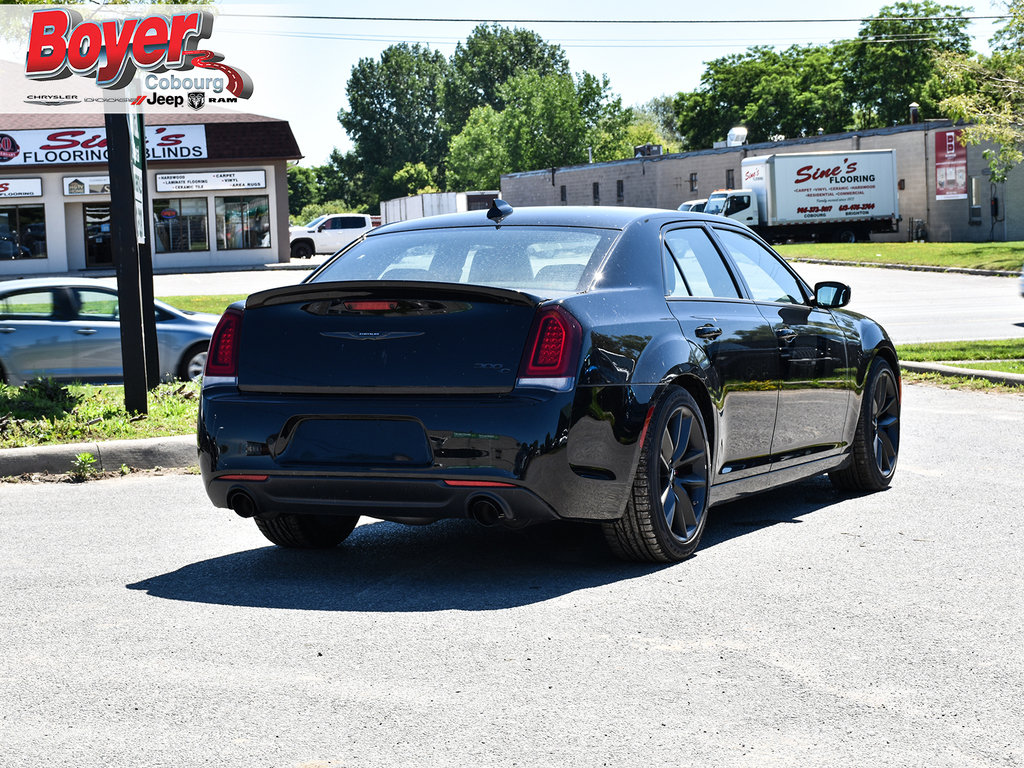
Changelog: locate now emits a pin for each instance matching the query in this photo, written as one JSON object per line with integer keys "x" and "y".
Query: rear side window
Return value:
{"x": 546, "y": 260}
{"x": 701, "y": 270}
{"x": 349, "y": 222}
{"x": 97, "y": 305}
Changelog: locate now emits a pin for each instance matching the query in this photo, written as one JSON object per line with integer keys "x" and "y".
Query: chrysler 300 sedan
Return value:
{"x": 626, "y": 367}
{"x": 69, "y": 330}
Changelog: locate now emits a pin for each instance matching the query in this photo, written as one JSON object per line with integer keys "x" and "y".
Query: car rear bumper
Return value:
{"x": 531, "y": 455}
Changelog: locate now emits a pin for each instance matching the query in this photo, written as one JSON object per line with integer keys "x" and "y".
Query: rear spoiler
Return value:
{"x": 398, "y": 289}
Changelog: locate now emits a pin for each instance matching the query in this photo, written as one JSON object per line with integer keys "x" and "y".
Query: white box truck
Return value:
{"x": 840, "y": 196}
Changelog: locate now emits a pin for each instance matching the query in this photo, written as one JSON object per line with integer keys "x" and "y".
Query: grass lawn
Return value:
{"x": 45, "y": 413}
{"x": 213, "y": 304}
{"x": 950, "y": 351}
{"x": 1005, "y": 256}
{"x": 1002, "y": 366}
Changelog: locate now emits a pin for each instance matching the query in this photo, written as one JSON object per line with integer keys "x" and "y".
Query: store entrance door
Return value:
{"x": 97, "y": 236}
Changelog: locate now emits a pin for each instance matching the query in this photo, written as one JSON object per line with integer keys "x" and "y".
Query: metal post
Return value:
{"x": 125, "y": 249}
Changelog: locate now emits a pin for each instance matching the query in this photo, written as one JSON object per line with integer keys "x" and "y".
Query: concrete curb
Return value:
{"x": 996, "y": 377}
{"x": 908, "y": 267}
{"x": 170, "y": 452}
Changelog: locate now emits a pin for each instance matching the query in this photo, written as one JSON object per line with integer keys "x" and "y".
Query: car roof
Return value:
{"x": 51, "y": 282}
{"x": 609, "y": 217}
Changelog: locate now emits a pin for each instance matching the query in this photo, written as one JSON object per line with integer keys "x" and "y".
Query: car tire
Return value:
{"x": 668, "y": 504}
{"x": 193, "y": 362}
{"x": 846, "y": 236}
{"x": 302, "y": 250}
{"x": 307, "y": 531}
{"x": 876, "y": 443}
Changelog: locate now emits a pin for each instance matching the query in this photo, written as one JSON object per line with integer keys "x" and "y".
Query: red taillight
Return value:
{"x": 370, "y": 306}
{"x": 222, "y": 359}
{"x": 552, "y": 349}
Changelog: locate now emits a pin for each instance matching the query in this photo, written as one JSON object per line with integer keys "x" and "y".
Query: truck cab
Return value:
{"x": 327, "y": 234}
{"x": 738, "y": 204}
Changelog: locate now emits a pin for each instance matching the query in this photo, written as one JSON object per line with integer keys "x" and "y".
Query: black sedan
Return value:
{"x": 626, "y": 367}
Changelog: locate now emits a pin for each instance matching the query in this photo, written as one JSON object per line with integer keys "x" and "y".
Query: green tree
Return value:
{"x": 548, "y": 120}
{"x": 989, "y": 95}
{"x": 492, "y": 55}
{"x": 477, "y": 155}
{"x": 302, "y": 188}
{"x": 660, "y": 111}
{"x": 394, "y": 116}
{"x": 416, "y": 179}
{"x": 892, "y": 61}
{"x": 789, "y": 93}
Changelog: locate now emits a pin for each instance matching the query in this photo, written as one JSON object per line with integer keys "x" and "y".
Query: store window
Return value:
{"x": 180, "y": 224}
{"x": 22, "y": 232}
{"x": 693, "y": 181}
{"x": 243, "y": 222}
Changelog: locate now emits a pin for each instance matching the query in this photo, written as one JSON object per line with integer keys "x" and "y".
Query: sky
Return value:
{"x": 299, "y": 67}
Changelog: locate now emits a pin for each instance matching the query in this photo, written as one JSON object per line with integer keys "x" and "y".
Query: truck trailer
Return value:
{"x": 827, "y": 196}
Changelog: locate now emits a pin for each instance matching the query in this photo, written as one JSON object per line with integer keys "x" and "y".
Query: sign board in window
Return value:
{"x": 21, "y": 187}
{"x": 216, "y": 180}
{"x": 950, "y": 166}
{"x": 86, "y": 185}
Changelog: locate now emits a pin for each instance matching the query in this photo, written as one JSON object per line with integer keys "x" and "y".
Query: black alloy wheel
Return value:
{"x": 876, "y": 445}
{"x": 885, "y": 422}
{"x": 668, "y": 506}
{"x": 302, "y": 250}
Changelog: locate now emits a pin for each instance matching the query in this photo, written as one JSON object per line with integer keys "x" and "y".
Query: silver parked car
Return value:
{"x": 68, "y": 329}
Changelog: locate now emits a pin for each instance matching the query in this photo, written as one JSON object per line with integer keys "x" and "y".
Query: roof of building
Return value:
{"x": 798, "y": 141}
{"x": 232, "y": 136}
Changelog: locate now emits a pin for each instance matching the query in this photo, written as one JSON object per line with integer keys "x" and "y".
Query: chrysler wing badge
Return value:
{"x": 371, "y": 335}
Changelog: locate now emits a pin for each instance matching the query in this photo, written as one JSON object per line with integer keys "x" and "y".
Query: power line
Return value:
{"x": 420, "y": 20}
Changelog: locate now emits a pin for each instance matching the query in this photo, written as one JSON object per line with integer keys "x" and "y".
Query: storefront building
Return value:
{"x": 218, "y": 192}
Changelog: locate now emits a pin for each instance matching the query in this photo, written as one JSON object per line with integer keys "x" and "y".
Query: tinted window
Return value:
{"x": 350, "y": 222}
{"x": 700, "y": 265}
{"x": 29, "y": 304}
{"x": 547, "y": 259}
{"x": 97, "y": 305}
{"x": 765, "y": 273}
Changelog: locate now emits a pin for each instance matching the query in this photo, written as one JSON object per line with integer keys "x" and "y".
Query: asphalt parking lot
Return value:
{"x": 143, "y": 627}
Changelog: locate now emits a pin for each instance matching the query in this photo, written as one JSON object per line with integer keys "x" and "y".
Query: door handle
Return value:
{"x": 785, "y": 334}
{"x": 86, "y": 331}
{"x": 8, "y": 330}
{"x": 708, "y": 331}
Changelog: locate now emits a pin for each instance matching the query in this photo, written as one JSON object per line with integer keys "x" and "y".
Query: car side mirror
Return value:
{"x": 321, "y": 228}
{"x": 831, "y": 295}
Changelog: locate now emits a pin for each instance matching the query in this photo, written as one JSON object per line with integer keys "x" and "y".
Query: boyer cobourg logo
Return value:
{"x": 112, "y": 52}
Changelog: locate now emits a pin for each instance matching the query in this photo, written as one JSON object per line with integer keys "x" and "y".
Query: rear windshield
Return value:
{"x": 546, "y": 260}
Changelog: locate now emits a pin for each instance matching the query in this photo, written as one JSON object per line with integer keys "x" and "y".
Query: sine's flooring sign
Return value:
{"x": 89, "y": 145}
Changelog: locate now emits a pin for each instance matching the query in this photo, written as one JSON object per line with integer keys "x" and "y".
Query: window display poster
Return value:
{"x": 950, "y": 166}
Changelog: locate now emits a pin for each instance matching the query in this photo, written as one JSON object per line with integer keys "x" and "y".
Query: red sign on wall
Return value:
{"x": 950, "y": 166}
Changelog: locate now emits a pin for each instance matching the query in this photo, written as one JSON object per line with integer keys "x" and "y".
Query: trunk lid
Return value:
{"x": 383, "y": 337}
